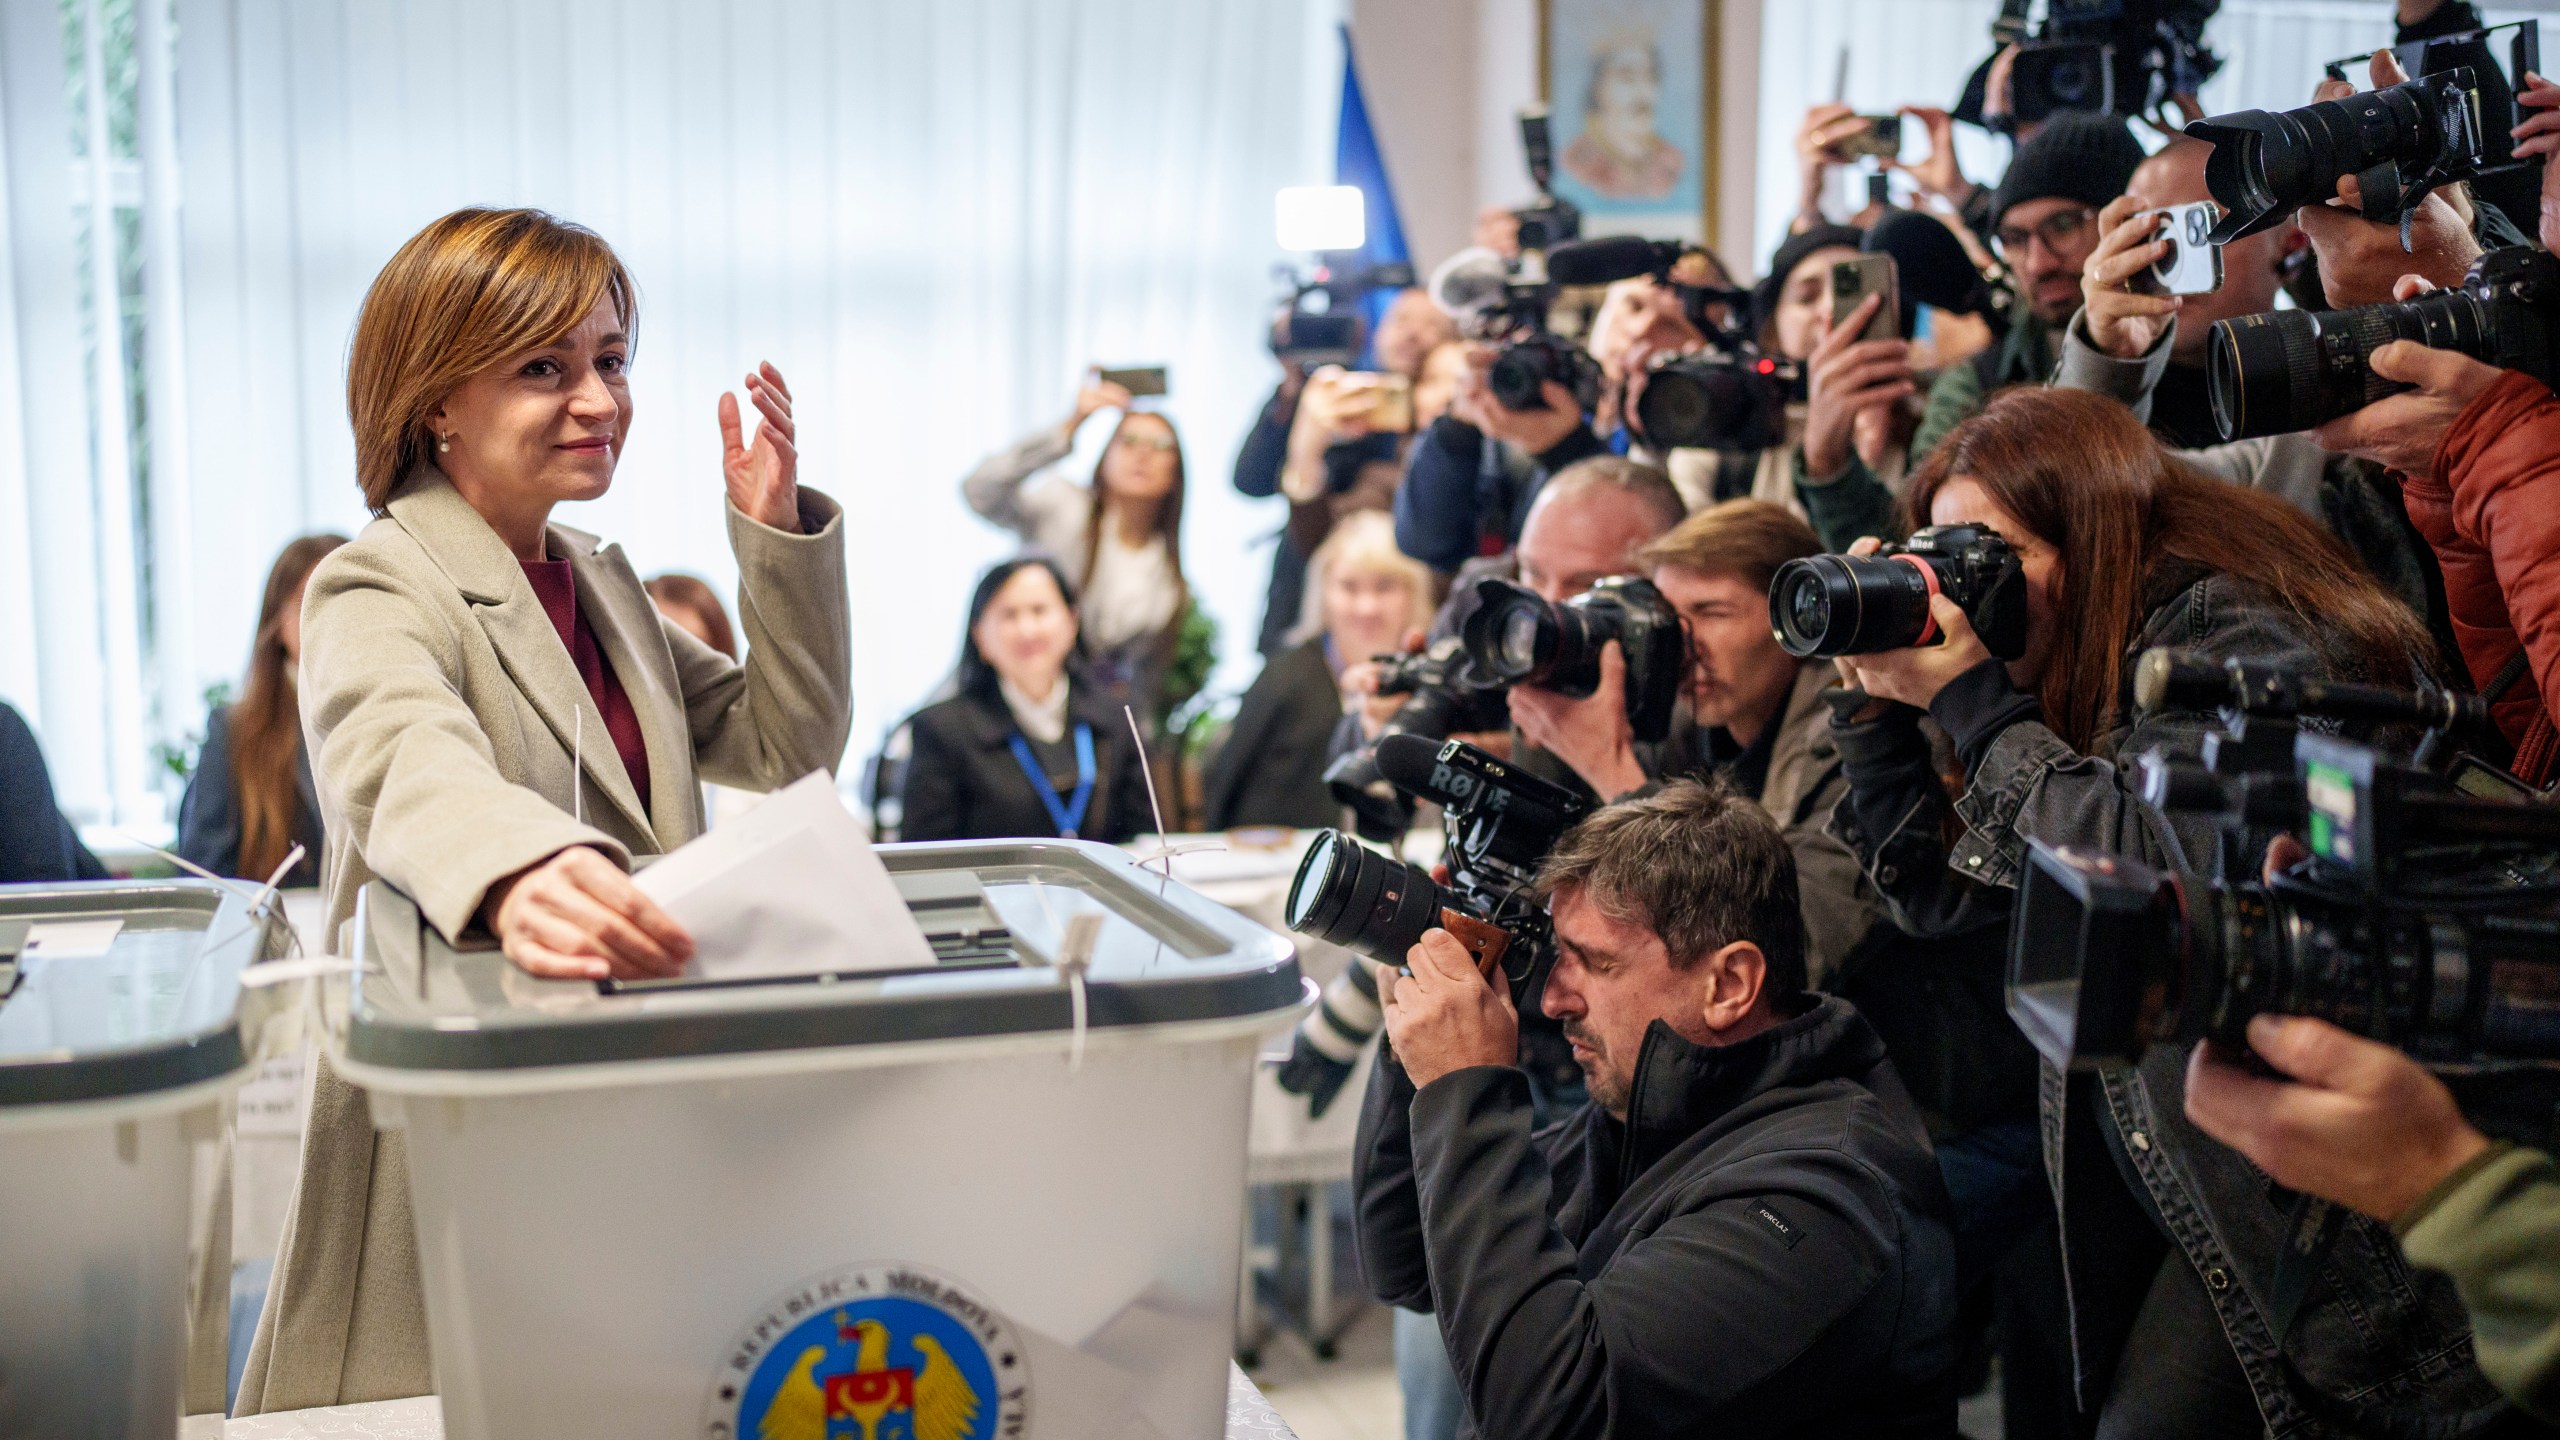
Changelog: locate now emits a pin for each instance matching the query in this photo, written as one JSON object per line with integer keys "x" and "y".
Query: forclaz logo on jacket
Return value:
{"x": 873, "y": 1352}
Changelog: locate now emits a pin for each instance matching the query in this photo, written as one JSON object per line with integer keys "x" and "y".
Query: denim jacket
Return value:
{"x": 2373, "y": 1333}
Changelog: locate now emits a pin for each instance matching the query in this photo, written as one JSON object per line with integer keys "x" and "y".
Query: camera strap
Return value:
{"x": 1068, "y": 815}
{"x": 2311, "y": 1231}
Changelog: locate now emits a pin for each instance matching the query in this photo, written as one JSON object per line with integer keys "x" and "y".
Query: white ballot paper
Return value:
{"x": 789, "y": 888}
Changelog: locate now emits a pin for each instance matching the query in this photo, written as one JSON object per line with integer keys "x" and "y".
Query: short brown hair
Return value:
{"x": 1696, "y": 863}
{"x": 463, "y": 294}
{"x": 1645, "y": 484}
{"x": 1747, "y": 539}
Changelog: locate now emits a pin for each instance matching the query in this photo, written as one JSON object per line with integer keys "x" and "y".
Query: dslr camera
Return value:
{"x": 1509, "y": 635}
{"x": 1447, "y": 696}
{"x": 2290, "y": 370}
{"x": 1830, "y": 605}
{"x": 2401, "y": 141}
{"x": 1734, "y": 397}
{"x": 1514, "y": 637}
{"x": 2427, "y": 916}
{"x": 1498, "y": 821}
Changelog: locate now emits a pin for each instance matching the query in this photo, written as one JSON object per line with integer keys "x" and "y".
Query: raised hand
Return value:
{"x": 764, "y": 479}
{"x": 2125, "y": 322}
{"x": 2538, "y": 138}
{"x": 1846, "y": 377}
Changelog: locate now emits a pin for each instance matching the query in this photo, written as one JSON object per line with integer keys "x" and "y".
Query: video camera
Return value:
{"x": 2290, "y": 370}
{"x": 2113, "y": 57}
{"x": 2449, "y": 123}
{"x": 1832, "y": 605}
{"x": 2427, "y": 916}
{"x": 1320, "y": 322}
{"x": 1509, "y": 635}
{"x": 1506, "y": 301}
{"x": 1499, "y": 823}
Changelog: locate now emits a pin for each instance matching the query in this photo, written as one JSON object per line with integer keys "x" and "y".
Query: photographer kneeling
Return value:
{"x": 1742, "y": 1229}
{"x": 2169, "y": 1241}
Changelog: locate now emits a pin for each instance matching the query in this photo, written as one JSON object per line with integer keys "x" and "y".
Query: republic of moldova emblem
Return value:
{"x": 877, "y": 1353}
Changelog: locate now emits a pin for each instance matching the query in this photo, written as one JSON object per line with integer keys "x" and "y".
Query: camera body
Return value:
{"x": 1729, "y": 399}
{"x": 2428, "y": 915}
{"x": 2290, "y": 370}
{"x": 1521, "y": 370}
{"x": 1498, "y": 822}
{"x": 1514, "y": 637}
{"x": 1831, "y": 605}
{"x": 2193, "y": 265}
{"x": 1448, "y": 697}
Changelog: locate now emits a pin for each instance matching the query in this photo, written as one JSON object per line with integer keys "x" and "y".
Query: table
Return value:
{"x": 1249, "y": 1417}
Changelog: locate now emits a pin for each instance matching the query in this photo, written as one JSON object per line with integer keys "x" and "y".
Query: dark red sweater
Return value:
{"x": 557, "y": 587}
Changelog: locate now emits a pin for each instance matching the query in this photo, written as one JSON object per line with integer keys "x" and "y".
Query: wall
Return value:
{"x": 1446, "y": 79}
{"x": 1417, "y": 68}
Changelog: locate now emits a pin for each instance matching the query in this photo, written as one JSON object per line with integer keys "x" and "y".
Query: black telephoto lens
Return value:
{"x": 2290, "y": 370}
{"x": 2266, "y": 166}
{"x": 1829, "y": 605}
{"x": 1346, "y": 894}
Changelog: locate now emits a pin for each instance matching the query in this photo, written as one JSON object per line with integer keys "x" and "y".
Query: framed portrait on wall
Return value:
{"x": 1630, "y": 112}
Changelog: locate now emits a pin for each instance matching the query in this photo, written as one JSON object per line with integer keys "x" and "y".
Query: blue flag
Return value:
{"x": 1356, "y": 161}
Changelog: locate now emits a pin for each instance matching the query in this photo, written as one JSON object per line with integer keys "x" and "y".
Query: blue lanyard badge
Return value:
{"x": 1068, "y": 817}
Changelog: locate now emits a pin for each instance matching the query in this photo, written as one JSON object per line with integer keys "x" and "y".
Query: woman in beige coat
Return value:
{"x": 499, "y": 722}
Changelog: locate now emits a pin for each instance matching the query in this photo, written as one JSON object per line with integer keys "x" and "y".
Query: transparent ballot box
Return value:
{"x": 121, "y": 1037}
{"x": 985, "y": 1198}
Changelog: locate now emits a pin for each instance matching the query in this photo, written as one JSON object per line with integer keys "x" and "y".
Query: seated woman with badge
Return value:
{"x": 1030, "y": 746}
{"x": 500, "y": 723}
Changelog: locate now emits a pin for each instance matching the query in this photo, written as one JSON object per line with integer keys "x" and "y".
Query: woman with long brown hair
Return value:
{"x": 2170, "y": 1249}
{"x": 251, "y": 799}
{"x": 1117, "y": 539}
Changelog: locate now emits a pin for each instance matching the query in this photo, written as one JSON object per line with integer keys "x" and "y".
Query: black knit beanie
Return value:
{"x": 2076, "y": 156}
{"x": 1764, "y": 296}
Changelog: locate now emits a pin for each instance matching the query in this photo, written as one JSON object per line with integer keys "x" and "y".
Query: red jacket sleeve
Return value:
{"x": 2491, "y": 512}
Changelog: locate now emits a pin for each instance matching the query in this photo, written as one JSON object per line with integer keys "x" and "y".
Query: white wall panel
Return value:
{"x": 929, "y": 216}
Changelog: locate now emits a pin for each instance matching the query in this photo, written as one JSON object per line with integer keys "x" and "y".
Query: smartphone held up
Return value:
{"x": 1852, "y": 281}
{"x": 2192, "y": 263}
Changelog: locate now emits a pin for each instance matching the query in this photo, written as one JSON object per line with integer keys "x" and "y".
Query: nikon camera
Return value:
{"x": 1831, "y": 605}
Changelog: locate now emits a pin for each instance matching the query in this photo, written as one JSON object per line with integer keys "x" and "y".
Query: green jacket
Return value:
{"x": 2494, "y": 1227}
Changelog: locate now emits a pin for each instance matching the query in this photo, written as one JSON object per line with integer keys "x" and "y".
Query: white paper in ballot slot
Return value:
{"x": 789, "y": 888}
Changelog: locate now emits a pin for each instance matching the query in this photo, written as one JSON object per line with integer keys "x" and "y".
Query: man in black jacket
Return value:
{"x": 1741, "y": 1234}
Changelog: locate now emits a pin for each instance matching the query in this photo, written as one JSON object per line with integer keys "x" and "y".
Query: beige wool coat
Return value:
{"x": 441, "y": 711}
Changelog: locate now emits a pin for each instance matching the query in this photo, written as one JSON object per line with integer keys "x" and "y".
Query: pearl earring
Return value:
{"x": 444, "y": 443}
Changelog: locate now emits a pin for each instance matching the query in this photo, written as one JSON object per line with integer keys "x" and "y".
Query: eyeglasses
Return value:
{"x": 2055, "y": 230}
{"x": 1137, "y": 440}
